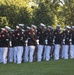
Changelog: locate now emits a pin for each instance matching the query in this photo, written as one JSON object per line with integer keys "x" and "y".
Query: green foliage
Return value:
{"x": 49, "y": 12}
{"x": 3, "y": 21}
{"x": 68, "y": 9}
{"x": 41, "y": 15}
{"x": 24, "y": 16}
{"x": 15, "y": 12}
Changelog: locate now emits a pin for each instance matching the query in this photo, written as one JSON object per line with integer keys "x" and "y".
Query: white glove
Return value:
{"x": 46, "y": 41}
{"x": 37, "y": 41}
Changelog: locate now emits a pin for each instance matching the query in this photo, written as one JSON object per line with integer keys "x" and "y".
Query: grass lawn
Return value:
{"x": 60, "y": 67}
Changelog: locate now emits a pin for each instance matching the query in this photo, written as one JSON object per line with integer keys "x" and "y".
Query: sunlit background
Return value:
{"x": 49, "y": 12}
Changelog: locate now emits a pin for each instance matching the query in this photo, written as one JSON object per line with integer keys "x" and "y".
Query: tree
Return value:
{"x": 41, "y": 15}
{"x": 15, "y": 11}
{"x": 3, "y": 21}
{"x": 68, "y": 9}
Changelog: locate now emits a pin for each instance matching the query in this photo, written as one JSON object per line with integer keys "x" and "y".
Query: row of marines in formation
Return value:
{"x": 42, "y": 43}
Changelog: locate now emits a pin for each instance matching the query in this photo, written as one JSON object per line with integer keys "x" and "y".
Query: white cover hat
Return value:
{"x": 28, "y": 27}
{"x": 17, "y": 27}
{"x": 33, "y": 26}
{"x": 41, "y": 24}
{"x": 68, "y": 27}
{"x": 72, "y": 26}
{"x": 21, "y": 25}
{"x": 7, "y": 27}
{"x": 3, "y": 29}
{"x": 12, "y": 30}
